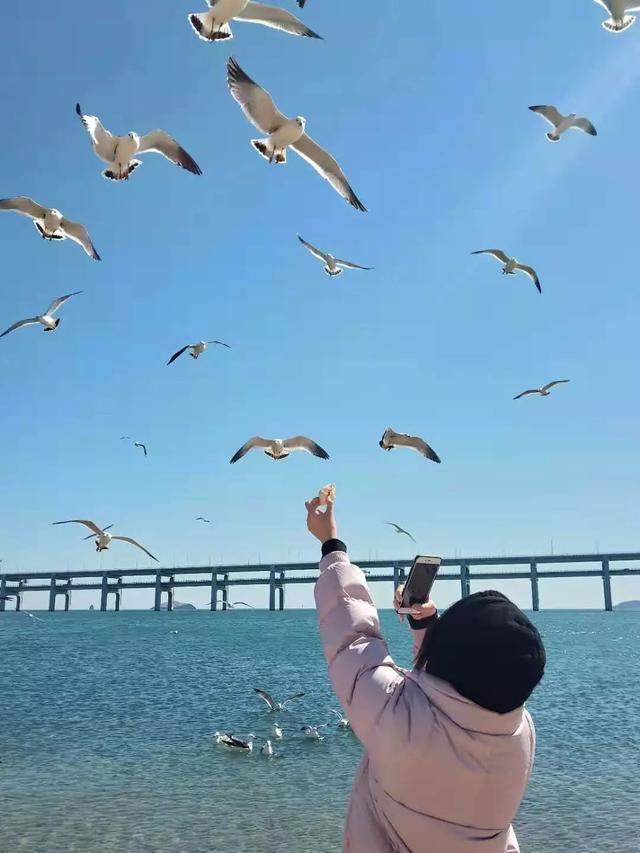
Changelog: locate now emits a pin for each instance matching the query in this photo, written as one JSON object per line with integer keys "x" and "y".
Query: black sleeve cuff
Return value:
{"x": 418, "y": 624}
{"x": 333, "y": 545}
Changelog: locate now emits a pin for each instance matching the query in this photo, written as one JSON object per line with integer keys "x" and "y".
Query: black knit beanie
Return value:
{"x": 487, "y": 649}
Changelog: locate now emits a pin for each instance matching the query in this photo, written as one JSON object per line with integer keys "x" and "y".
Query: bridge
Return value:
{"x": 111, "y": 584}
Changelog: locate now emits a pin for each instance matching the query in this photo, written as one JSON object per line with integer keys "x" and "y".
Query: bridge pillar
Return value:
{"x": 272, "y": 588}
{"x": 281, "y": 592}
{"x": 158, "y": 593}
{"x": 535, "y": 593}
{"x": 104, "y": 594}
{"x": 606, "y": 584}
{"x": 465, "y": 580}
{"x": 214, "y": 591}
{"x": 118, "y": 597}
{"x": 52, "y": 594}
{"x": 3, "y": 592}
{"x": 67, "y": 596}
{"x": 170, "y": 594}
{"x": 18, "y": 594}
{"x": 225, "y": 592}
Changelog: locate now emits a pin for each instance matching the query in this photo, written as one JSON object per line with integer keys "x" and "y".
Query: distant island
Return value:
{"x": 628, "y": 605}
{"x": 177, "y": 605}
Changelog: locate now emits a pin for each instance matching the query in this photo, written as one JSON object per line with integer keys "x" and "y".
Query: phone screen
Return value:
{"x": 420, "y": 581}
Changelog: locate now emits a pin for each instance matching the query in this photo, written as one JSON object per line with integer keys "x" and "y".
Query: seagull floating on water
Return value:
{"x": 271, "y": 702}
{"x": 118, "y": 152}
{"x": 391, "y": 439}
{"x": 313, "y": 732}
{"x": 343, "y": 722}
{"x": 214, "y": 24}
{"x": 400, "y": 529}
{"x": 278, "y": 448}
{"x": 267, "y": 749}
{"x": 619, "y": 21}
{"x": 562, "y": 123}
{"x": 544, "y": 391}
{"x": 47, "y": 320}
{"x": 196, "y": 349}
{"x": 332, "y": 266}
{"x": 511, "y": 265}
{"x": 103, "y": 538}
{"x": 259, "y": 107}
{"x": 235, "y": 742}
{"x": 50, "y": 223}
{"x": 277, "y": 732}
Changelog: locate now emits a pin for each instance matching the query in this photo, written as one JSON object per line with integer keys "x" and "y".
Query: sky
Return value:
{"x": 428, "y": 118}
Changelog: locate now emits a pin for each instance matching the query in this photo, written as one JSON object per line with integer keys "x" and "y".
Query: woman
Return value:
{"x": 449, "y": 745}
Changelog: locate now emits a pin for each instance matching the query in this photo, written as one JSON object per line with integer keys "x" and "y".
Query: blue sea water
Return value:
{"x": 106, "y": 724}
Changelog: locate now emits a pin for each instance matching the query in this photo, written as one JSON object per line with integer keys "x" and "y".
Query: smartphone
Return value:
{"x": 419, "y": 583}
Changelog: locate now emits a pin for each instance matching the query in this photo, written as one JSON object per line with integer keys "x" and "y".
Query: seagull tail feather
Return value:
{"x": 613, "y": 26}
{"x": 206, "y": 28}
{"x": 110, "y": 175}
{"x": 553, "y": 137}
{"x": 265, "y": 148}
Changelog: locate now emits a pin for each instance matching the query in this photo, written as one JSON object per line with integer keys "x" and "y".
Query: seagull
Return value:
{"x": 617, "y": 9}
{"x": 276, "y": 448}
{"x": 103, "y": 539}
{"x": 313, "y": 732}
{"x": 205, "y": 520}
{"x": 214, "y": 24}
{"x": 544, "y": 391}
{"x": 511, "y": 265}
{"x": 118, "y": 151}
{"x": 562, "y": 123}
{"x": 400, "y": 530}
{"x": 50, "y": 223}
{"x": 47, "y": 320}
{"x": 259, "y": 107}
{"x": 333, "y": 266}
{"x": 267, "y": 749}
{"x": 273, "y": 705}
{"x": 343, "y": 722}
{"x": 233, "y": 604}
{"x": 277, "y": 732}
{"x": 196, "y": 349}
{"x": 234, "y": 742}
{"x": 141, "y": 445}
{"x": 391, "y": 439}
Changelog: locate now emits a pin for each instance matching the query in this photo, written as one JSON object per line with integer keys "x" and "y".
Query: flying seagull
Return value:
{"x": 343, "y": 722}
{"x": 214, "y": 24}
{"x": 47, "y": 320}
{"x": 235, "y": 742}
{"x": 141, "y": 445}
{"x": 103, "y": 539}
{"x": 511, "y": 265}
{"x": 544, "y": 391}
{"x": 562, "y": 123}
{"x": 333, "y": 266}
{"x": 400, "y": 529}
{"x": 391, "y": 439}
{"x": 619, "y": 21}
{"x": 118, "y": 151}
{"x": 301, "y": 3}
{"x": 202, "y": 518}
{"x": 258, "y": 106}
{"x": 196, "y": 349}
{"x": 271, "y": 702}
{"x": 276, "y": 448}
{"x": 50, "y": 223}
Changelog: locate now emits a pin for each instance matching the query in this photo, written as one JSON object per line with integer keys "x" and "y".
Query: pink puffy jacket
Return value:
{"x": 440, "y": 774}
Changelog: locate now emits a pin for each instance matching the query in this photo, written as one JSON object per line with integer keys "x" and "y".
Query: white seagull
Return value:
{"x": 277, "y": 731}
{"x": 50, "y": 223}
{"x": 313, "y": 732}
{"x": 511, "y": 265}
{"x": 400, "y": 529}
{"x": 47, "y": 320}
{"x": 278, "y": 448}
{"x": 118, "y": 152}
{"x": 619, "y": 21}
{"x": 214, "y": 24}
{"x": 343, "y": 722}
{"x": 102, "y": 538}
{"x": 391, "y": 439}
{"x": 332, "y": 266}
{"x": 267, "y": 749}
{"x": 562, "y": 123}
{"x": 271, "y": 702}
{"x": 544, "y": 391}
{"x": 235, "y": 742}
{"x": 259, "y": 107}
{"x": 196, "y": 349}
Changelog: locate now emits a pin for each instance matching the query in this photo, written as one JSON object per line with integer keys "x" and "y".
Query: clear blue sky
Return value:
{"x": 428, "y": 116}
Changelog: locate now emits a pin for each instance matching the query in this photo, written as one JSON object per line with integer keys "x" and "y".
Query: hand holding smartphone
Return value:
{"x": 419, "y": 583}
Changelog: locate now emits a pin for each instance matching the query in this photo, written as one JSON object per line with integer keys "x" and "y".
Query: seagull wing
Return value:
{"x": 292, "y": 698}
{"x": 498, "y": 254}
{"x": 137, "y": 544}
{"x": 256, "y": 103}
{"x": 533, "y": 275}
{"x": 161, "y": 143}
{"x": 549, "y": 113}
{"x": 400, "y": 530}
{"x": 79, "y": 234}
{"x": 265, "y": 696}
{"x": 272, "y": 16}
{"x": 103, "y": 141}
{"x": 220, "y": 343}
{"x": 417, "y": 443}
{"x": 335, "y": 713}
{"x": 326, "y": 166}
{"x": 30, "y": 322}
{"x": 90, "y": 524}
{"x": 140, "y": 444}
{"x": 60, "y": 301}
{"x": 178, "y": 354}
{"x": 554, "y": 383}
{"x": 24, "y": 205}
{"x": 91, "y": 535}
{"x": 256, "y": 441}
{"x": 349, "y": 266}
{"x": 301, "y": 442}
{"x": 525, "y": 393}
{"x": 585, "y": 124}
{"x": 317, "y": 253}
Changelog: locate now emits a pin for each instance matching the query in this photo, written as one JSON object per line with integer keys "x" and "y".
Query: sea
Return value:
{"x": 106, "y": 724}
